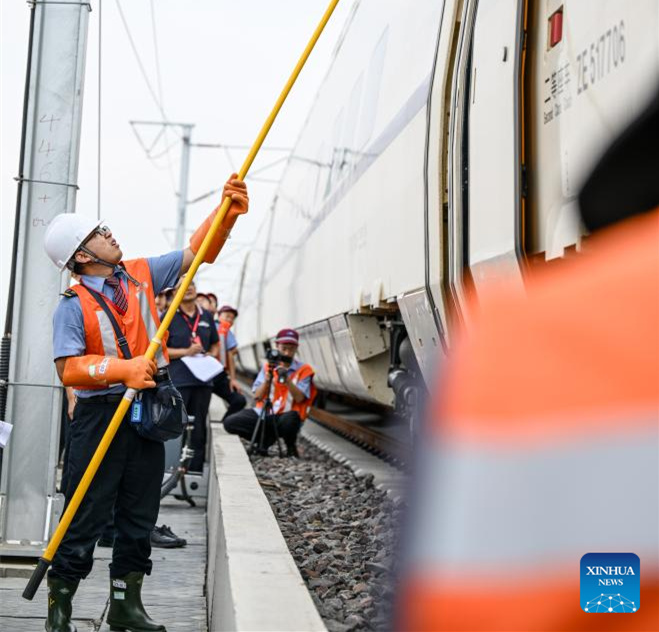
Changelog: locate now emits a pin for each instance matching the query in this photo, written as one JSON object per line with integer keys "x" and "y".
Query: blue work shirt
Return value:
{"x": 68, "y": 323}
{"x": 304, "y": 385}
{"x": 232, "y": 343}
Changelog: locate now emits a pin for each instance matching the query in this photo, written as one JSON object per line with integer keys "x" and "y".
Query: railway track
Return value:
{"x": 373, "y": 439}
{"x": 371, "y": 431}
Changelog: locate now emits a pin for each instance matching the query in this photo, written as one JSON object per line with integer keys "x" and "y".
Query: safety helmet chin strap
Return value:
{"x": 95, "y": 259}
{"x": 102, "y": 262}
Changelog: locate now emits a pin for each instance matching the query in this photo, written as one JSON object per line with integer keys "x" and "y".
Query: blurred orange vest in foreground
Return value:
{"x": 544, "y": 446}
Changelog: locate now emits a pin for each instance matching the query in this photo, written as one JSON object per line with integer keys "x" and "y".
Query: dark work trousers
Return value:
{"x": 197, "y": 399}
{"x": 65, "y": 456}
{"x": 127, "y": 480}
{"x": 244, "y": 422}
{"x": 222, "y": 388}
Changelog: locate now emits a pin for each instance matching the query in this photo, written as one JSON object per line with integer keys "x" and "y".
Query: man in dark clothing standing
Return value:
{"x": 193, "y": 332}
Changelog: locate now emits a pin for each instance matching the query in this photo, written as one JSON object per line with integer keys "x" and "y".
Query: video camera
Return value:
{"x": 275, "y": 359}
{"x": 274, "y": 356}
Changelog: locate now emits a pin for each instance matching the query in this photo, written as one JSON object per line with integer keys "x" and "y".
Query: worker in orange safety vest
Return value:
{"x": 292, "y": 393}
{"x": 542, "y": 444}
{"x": 88, "y": 356}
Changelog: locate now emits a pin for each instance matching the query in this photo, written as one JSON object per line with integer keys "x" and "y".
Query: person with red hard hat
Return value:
{"x": 292, "y": 395}
{"x": 88, "y": 357}
{"x": 225, "y": 384}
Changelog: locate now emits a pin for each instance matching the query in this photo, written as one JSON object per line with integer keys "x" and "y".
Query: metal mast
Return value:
{"x": 47, "y": 178}
{"x": 182, "y": 203}
{"x": 183, "y": 188}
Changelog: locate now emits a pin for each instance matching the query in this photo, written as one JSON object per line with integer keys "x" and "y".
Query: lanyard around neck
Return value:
{"x": 191, "y": 327}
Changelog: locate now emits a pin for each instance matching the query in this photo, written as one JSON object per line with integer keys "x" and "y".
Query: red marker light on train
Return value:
{"x": 555, "y": 28}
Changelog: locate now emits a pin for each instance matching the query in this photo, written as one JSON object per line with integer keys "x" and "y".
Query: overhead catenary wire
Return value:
{"x": 157, "y": 98}
{"x": 156, "y": 52}
{"x": 161, "y": 153}
{"x": 250, "y": 177}
{"x": 138, "y": 59}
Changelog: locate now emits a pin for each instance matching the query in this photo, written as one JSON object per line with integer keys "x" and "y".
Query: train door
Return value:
{"x": 494, "y": 214}
{"x": 485, "y": 154}
{"x": 592, "y": 66}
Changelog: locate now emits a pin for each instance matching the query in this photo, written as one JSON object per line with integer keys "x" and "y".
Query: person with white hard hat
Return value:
{"x": 89, "y": 358}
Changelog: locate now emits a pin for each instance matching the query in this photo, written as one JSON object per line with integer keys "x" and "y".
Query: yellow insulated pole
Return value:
{"x": 47, "y": 557}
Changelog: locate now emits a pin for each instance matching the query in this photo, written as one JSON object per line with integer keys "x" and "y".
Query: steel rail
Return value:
{"x": 379, "y": 442}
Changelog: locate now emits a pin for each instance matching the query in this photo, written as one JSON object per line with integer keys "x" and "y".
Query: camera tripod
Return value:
{"x": 262, "y": 422}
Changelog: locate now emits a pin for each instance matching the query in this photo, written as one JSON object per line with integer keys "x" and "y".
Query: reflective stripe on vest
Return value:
{"x": 151, "y": 326}
{"x": 514, "y": 510}
{"x": 107, "y": 335}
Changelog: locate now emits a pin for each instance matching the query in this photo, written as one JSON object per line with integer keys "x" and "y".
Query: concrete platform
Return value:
{"x": 253, "y": 582}
{"x": 173, "y": 594}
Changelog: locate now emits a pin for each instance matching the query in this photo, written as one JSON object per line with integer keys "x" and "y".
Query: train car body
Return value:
{"x": 444, "y": 151}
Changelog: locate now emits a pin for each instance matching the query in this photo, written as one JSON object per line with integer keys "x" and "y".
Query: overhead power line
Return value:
{"x": 156, "y": 52}
{"x": 145, "y": 76}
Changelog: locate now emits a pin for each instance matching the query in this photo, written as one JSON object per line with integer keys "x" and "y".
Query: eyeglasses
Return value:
{"x": 103, "y": 231}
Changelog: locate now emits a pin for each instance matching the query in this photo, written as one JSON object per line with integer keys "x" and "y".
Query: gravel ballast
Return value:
{"x": 342, "y": 533}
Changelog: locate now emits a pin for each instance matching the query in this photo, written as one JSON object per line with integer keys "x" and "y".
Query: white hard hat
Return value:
{"x": 65, "y": 234}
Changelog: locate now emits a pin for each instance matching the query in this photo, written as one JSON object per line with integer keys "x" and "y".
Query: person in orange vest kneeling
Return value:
{"x": 292, "y": 394}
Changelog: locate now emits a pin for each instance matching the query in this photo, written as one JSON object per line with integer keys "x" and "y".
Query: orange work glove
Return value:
{"x": 97, "y": 370}
{"x": 237, "y": 191}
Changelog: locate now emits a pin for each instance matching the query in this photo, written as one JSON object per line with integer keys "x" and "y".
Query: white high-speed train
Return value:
{"x": 445, "y": 149}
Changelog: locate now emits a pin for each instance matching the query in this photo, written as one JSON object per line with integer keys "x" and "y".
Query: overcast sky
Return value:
{"x": 222, "y": 65}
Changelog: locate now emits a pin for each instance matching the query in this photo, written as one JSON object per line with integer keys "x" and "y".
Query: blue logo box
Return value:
{"x": 610, "y": 583}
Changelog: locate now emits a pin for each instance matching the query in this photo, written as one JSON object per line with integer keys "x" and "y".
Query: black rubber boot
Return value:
{"x": 60, "y": 594}
{"x": 126, "y": 612}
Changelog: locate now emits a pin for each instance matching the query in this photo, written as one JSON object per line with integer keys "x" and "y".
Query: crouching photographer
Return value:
{"x": 287, "y": 384}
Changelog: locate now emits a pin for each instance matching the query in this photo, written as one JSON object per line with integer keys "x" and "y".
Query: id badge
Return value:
{"x": 136, "y": 412}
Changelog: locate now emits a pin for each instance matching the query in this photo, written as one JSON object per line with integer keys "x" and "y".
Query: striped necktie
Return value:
{"x": 119, "y": 297}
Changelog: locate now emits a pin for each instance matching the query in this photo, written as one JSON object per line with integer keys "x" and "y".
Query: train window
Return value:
{"x": 372, "y": 91}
